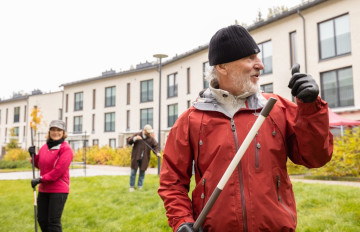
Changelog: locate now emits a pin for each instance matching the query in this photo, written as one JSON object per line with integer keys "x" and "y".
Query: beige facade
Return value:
{"x": 15, "y": 114}
{"x": 296, "y": 31}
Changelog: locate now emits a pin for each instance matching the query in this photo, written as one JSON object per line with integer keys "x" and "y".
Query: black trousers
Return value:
{"x": 50, "y": 207}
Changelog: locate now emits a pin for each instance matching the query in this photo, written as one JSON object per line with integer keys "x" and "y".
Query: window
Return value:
{"x": 110, "y": 122}
{"x": 79, "y": 97}
{"x": 206, "y": 67}
{"x": 146, "y": 91}
{"x": 172, "y": 114}
{"x": 6, "y": 116}
{"x": 66, "y": 122}
{"x": 334, "y": 36}
{"x": 293, "y": 49}
{"x": 95, "y": 142}
{"x": 128, "y": 94}
{"x": 66, "y": 102}
{"x": 78, "y": 124}
{"x": 188, "y": 79}
{"x": 146, "y": 117}
{"x": 25, "y": 111}
{"x": 0, "y": 116}
{"x": 93, "y": 124}
{"x": 60, "y": 114}
{"x": 172, "y": 85}
{"x": 94, "y": 99}
{"x": 16, "y": 131}
{"x": 110, "y": 96}
{"x": 112, "y": 143}
{"x": 17, "y": 114}
{"x": 128, "y": 120}
{"x": 188, "y": 104}
{"x": 267, "y": 88}
{"x": 265, "y": 55}
{"x": 337, "y": 87}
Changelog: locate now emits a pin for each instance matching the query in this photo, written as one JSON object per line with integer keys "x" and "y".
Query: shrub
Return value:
{"x": 346, "y": 156}
{"x": 109, "y": 156}
{"x": 16, "y": 154}
{"x": 7, "y": 164}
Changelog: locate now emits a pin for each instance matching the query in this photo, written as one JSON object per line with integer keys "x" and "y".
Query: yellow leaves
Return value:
{"x": 36, "y": 118}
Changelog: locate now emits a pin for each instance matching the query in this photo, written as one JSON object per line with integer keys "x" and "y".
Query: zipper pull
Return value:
{"x": 232, "y": 125}
{"x": 278, "y": 186}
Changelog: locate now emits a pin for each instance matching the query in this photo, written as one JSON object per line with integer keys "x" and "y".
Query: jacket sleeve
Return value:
{"x": 61, "y": 165}
{"x": 36, "y": 161}
{"x": 309, "y": 141}
{"x": 175, "y": 175}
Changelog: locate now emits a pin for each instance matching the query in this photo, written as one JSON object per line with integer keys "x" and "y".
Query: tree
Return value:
{"x": 36, "y": 119}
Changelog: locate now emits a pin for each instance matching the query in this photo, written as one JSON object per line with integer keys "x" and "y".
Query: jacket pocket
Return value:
{"x": 278, "y": 192}
{"x": 198, "y": 197}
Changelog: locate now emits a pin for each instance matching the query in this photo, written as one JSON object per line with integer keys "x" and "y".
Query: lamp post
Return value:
{"x": 159, "y": 56}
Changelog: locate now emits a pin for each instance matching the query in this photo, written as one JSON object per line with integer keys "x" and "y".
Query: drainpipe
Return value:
{"x": 303, "y": 19}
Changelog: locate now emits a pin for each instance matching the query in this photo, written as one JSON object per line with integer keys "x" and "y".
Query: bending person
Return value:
{"x": 142, "y": 143}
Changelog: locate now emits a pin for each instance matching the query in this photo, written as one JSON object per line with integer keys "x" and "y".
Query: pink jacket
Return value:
{"x": 54, "y": 168}
{"x": 259, "y": 194}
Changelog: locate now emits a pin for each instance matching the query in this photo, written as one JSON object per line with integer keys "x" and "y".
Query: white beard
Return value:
{"x": 246, "y": 87}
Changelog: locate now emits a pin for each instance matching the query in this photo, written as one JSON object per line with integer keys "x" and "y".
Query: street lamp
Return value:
{"x": 159, "y": 56}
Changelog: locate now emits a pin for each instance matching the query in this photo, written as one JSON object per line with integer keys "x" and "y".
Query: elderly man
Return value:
{"x": 258, "y": 195}
{"x": 143, "y": 142}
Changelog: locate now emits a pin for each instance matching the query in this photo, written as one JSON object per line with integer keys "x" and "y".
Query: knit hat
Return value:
{"x": 58, "y": 124}
{"x": 231, "y": 43}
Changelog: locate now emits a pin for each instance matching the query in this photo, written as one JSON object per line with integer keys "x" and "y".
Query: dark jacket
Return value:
{"x": 141, "y": 151}
{"x": 259, "y": 194}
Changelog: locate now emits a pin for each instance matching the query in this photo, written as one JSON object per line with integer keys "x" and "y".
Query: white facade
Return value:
{"x": 272, "y": 35}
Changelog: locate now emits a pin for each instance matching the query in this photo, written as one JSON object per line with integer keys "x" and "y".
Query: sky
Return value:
{"x": 47, "y": 43}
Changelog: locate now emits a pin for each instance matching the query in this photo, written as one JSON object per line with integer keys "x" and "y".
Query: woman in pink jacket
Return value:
{"x": 53, "y": 160}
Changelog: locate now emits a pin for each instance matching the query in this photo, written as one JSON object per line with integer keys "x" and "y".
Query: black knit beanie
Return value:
{"x": 231, "y": 43}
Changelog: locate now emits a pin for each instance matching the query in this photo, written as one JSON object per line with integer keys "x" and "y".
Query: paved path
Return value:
{"x": 105, "y": 170}
{"x": 330, "y": 182}
{"x": 91, "y": 170}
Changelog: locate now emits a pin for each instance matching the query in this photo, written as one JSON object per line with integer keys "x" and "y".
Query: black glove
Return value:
{"x": 35, "y": 182}
{"x": 303, "y": 86}
{"x": 32, "y": 151}
{"x": 187, "y": 227}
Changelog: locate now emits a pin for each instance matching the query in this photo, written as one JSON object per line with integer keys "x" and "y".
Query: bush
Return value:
{"x": 109, "y": 156}
{"x": 7, "y": 164}
{"x": 16, "y": 154}
{"x": 346, "y": 156}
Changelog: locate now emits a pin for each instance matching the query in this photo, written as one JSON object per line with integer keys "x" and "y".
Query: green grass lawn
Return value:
{"x": 105, "y": 204}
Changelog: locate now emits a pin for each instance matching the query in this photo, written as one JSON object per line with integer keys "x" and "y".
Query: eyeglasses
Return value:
{"x": 55, "y": 129}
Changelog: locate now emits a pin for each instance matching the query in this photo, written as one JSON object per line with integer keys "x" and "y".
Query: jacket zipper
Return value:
{"x": 257, "y": 147}
{"x": 203, "y": 193}
{"x": 279, "y": 197}
{"x": 242, "y": 193}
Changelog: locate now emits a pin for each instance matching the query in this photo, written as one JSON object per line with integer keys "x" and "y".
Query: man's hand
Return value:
{"x": 32, "y": 151}
{"x": 187, "y": 227}
{"x": 158, "y": 154}
{"x": 35, "y": 182}
{"x": 303, "y": 86}
{"x": 138, "y": 137}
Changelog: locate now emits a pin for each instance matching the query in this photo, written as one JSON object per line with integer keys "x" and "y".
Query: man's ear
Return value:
{"x": 221, "y": 68}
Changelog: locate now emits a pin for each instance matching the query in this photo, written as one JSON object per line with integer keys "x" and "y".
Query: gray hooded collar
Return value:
{"x": 208, "y": 102}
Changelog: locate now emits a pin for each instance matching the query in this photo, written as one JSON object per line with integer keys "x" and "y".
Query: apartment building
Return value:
{"x": 320, "y": 35}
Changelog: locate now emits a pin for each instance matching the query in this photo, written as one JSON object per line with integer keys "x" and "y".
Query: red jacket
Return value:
{"x": 54, "y": 168}
{"x": 258, "y": 195}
